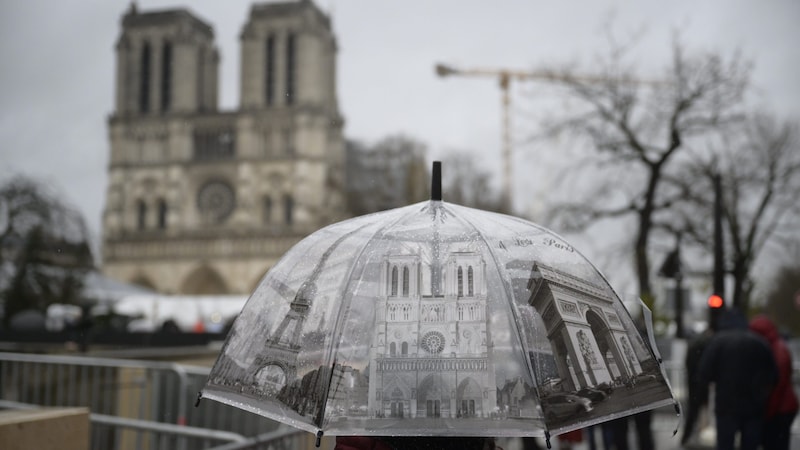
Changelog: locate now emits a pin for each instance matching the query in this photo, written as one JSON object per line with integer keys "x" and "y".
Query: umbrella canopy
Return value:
{"x": 436, "y": 319}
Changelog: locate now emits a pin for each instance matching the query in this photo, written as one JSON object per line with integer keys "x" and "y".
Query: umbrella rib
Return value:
{"x": 509, "y": 296}
{"x": 343, "y": 312}
{"x": 312, "y": 279}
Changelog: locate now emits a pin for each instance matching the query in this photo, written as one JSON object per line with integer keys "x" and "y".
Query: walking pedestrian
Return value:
{"x": 743, "y": 370}
{"x": 644, "y": 432}
{"x": 782, "y": 404}
{"x": 698, "y": 392}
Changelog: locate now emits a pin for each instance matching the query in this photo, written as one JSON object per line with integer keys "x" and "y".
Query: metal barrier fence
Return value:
{"x": 137, "y": 404}
{"x": 148, "y": 405}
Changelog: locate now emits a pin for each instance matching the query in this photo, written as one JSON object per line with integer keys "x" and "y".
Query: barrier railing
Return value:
{"x": 138, "y": 404}
{"x": 134, "y": 404}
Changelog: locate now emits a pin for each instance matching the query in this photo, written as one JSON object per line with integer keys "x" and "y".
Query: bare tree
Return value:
{"x": 782, "y": 295}
{"x": 44, "y": 248}
{"x": 761, "y": 185}
{"x": 759, "y": 166}
{"x": 639, "y": 128}
{"x": 389, "y": 174}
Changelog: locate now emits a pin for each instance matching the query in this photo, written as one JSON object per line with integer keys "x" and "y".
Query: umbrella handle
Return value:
{"x": 319, "y": 439}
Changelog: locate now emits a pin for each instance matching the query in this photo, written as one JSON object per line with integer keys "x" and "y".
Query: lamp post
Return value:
{"x": 673, "y": 268}
{"x": 679, "y": 330}
{"x": 716, "y": 302}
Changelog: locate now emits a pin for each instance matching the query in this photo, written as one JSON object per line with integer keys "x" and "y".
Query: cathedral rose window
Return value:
{"x": 216, "y": 201}
{"x": 433, "y": 342}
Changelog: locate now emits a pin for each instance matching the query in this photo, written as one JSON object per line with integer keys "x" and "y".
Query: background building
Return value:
{"x": 388, "y": 174}
{"x": 202, "y": 201}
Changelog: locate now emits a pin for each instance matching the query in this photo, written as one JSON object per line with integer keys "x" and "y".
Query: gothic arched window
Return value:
{"x": 141, "y": 215}
{"x": 288, "y": 207}
{"x": 144, "y": 79}
{"x": 291, "y": 69}
{"x": 404, "y": 348}
{"x": 460, "y": 282}
{"x": 201, "y": 67}
{"x": 166, "y": 76}
{"x": 266, "y": 215}
{"x": 470, "y": 282}
{"x": 162, "y": 214}
{"x": 269, "y": 71}
{"x": 394, "y": 281}
{"x": 392, "y": 349}
{"x": 405, "y": 281}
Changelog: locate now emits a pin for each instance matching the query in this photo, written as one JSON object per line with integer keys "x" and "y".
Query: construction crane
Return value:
{"x": 504, "y": 76}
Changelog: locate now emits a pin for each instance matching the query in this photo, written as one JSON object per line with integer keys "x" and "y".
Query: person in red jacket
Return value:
{"x": 782, "y": 404}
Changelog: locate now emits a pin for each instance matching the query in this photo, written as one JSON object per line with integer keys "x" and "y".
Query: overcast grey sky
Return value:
{"x": 58, "y": 61}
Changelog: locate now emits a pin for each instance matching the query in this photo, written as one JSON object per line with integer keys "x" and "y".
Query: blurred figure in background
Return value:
{"x": 698, "y": 392}
{"x": 644, "y": 432}
{"x": 529, "y": 443}
{"x": 741, "y": 366}
{"x": 359, "y": 443}
{"x": 84, "y": 328}
{"x": 782, "y": 405}
{"x": 566, "y": 440}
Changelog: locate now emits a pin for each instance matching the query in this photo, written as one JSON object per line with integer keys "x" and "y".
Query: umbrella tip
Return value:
{"x": 436, "y": 181}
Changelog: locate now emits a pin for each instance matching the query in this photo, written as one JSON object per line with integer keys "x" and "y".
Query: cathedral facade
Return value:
{"x": 203, "y": 201}
{"x": 431, "y": 352}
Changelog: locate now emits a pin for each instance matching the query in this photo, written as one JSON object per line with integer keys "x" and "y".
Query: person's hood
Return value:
{"x": 763, "y": 326}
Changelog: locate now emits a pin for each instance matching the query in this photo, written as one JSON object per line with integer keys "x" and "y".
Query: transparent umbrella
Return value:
{"x": 436, "y": 320}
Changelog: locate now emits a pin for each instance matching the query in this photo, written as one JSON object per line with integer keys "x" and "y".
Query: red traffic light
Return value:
{"x": 715, "y": 301}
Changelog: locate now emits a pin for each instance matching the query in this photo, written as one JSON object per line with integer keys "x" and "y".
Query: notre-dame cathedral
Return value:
{"x": 203, "y": 201}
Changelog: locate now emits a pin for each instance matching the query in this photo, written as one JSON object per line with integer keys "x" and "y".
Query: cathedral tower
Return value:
{"x": 166, "y": 63}
{"x": 288, "y": 58}
{"x": 201, "y": 201}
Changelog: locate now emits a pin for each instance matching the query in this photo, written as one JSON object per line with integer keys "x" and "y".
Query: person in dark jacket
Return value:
{"x": 782, "y": 405}
{"x": 698, "y": 392}
{"x": 743, "y": 370}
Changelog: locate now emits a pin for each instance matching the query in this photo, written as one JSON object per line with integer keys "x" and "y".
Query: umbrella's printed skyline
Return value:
{"x": 445, "y": 325}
